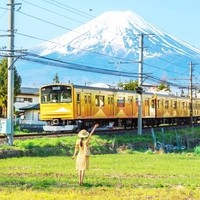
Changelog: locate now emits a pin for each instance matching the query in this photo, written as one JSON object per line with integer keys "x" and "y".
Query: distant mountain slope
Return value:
{"x": 111, "y": 41}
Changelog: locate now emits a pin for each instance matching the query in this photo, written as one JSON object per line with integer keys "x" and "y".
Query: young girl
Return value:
{"x": 83, "y": 151}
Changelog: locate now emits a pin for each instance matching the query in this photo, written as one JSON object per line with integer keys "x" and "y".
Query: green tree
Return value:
{"x": 130, "y": 85}
{"x": 4, "y": 84}
{"x": 56, "y": 79}
{"x": 163, "y": 86}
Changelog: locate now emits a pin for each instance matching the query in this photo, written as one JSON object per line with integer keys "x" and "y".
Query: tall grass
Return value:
{"x": 111, "y": 176}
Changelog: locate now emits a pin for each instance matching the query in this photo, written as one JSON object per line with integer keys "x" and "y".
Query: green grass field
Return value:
{"x": 111, "y": 176}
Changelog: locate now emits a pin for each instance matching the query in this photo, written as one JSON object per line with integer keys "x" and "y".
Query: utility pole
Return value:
{"x": 10, "y": 91}
{"x": 140, "y": 81}
{"x": 191, "y": 95}
{"x": 191, "y": 92}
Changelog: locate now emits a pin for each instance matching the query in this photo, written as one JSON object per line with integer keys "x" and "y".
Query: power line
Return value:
{"x": 74, "y": 66}
{"x": 68, "y": 8}
{"x": 153, "y": 66}
{"x": 32, "y": 57}
{"x": 51, "y": 23}
{"x": 53, "y": 12}
{"x": 89, "y": 51}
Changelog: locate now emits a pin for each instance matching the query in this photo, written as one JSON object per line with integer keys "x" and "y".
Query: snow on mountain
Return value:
{"x": 111, "y": 41}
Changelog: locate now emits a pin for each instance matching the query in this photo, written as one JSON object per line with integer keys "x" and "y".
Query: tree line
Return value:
{"x": 4, "y": 85}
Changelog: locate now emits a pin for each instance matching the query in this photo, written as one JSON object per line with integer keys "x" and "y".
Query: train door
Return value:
{"x": 147, "y": 108}
{"x": 160, "y": 108}
{"x": 111, "y": 105}
{"x": 130, "y": 106}
{"x": 153, "y": 109}
{"x": 78, "y": 104}
{"x": 87, "y": 104}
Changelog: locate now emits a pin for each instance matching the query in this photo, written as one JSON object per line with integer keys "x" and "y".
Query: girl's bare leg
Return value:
{"x": 82, "y": 176}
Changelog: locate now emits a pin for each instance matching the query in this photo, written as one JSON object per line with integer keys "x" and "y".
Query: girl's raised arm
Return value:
{"x": 92, "y": 132}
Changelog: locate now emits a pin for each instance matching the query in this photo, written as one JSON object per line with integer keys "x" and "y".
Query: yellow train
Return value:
{"x": 70, "y": 107}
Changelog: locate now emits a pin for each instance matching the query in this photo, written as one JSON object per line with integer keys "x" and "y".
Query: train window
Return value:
{"x": 148, "y": 101}
{"x": 158, "y": 104}
{"x": 55, "y": 94}
{"x": 99, "y": 100}
{"x": 136, "y": 100}
{"x": 166, "y": 104}
{"x": 54, "y": 97}
{"x": 130, "y": 100}
{"x": 175, "y": 105}
{"x": 183, "y": 105}
{"x": 85, "y": 98}
{"x": 111, "y": 100}
{"x": 65, "y": 97}
{"x": 89, "y": 99}
{"x": 161, "y": 103}
{"x": 153, "y": 103}
{"x": 120, "y": 101}
{"x": 179, "y": 104}
{"x": 78, "y": 98}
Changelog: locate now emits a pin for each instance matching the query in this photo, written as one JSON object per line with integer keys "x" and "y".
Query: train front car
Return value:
{"x": 56, "y": 107}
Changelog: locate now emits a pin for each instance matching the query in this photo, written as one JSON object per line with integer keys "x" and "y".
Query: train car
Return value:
{"x": 70, "y": 107}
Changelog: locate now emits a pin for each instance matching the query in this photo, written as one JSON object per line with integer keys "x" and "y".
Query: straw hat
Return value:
{"x": 83, "y": 134}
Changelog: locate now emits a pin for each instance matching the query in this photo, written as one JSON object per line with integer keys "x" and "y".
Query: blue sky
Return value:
{"x": 179, "y": 18}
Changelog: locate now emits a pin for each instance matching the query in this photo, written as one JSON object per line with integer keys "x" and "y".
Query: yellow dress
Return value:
{"x": 82, "y": 160}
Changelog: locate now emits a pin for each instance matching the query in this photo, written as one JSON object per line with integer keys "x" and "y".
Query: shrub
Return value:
{"x": 197, "y": 150}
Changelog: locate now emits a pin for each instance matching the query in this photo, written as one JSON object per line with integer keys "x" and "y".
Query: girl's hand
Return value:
{"x": 96, "y": 125}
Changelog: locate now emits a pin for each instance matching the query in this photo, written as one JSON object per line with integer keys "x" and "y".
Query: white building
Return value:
{"x": 27, "y": 104}
{"x": 27, "y": 97}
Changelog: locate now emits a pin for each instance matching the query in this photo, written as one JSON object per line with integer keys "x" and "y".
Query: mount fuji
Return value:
{"x": 108, "y": 43}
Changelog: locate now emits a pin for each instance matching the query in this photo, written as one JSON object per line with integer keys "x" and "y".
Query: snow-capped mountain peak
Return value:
{"x": 114, "y": 37}
{"x": 108, "y": 27}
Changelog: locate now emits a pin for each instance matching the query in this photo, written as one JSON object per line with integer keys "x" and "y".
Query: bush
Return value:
{"x": 197, "y": 150}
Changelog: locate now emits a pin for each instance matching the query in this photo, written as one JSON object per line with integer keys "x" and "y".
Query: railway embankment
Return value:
{"x": 122, "y": 142}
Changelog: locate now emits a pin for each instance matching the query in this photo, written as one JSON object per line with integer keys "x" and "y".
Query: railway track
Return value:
{"x": 146, "y": 130}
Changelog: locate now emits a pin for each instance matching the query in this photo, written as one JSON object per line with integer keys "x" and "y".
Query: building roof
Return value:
{"x": 28, "y": 90}
{"x": 31, "y": 107}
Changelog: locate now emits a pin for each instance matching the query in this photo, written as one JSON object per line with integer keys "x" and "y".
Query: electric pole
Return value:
{"x": 191, "y": 92}
{"x": 140, "y": 81}
{"x": 191, "y": 96}
{"x": 10, "y": 90}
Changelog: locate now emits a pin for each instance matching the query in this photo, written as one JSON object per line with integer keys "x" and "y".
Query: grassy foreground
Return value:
{"x": 111, "y": 176}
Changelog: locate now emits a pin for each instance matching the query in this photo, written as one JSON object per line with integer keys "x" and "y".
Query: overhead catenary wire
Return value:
{"x": 75, "y": 66}
{"x": 31, "y": 57}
